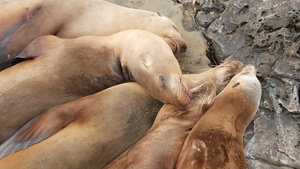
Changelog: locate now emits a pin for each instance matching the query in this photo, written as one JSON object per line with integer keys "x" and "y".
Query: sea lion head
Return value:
{"x": 164, "y": 81}
{"x": 245, "y": 89}
{"x": 165, "y": 28}
{"x": 247, "y": 84}
{"x": 152, "y": 64}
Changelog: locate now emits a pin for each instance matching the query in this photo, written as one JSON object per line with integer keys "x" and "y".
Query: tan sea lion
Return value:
{"x": 56, "y": 118}
{"x": 23, "y": 21}
{"x": 67, "y": 69}
{"x": 216, "y": 141}
{"x": 99, "y": 128}
{"x": 160, "y": 147}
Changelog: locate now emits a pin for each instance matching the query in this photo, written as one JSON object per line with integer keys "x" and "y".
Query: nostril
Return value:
{"x": 184, "y": 49}
{"x": 236, "y": 84}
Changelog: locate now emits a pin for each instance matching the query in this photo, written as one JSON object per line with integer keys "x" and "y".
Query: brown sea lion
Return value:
{"x": 24, "y": 21}
{"x": 56, "y": 118}
{"x": 67, "y": 69}
{"x": 99, "y": 128}
{"x": 216, "y": 141}
{"x": 160, "y": 147}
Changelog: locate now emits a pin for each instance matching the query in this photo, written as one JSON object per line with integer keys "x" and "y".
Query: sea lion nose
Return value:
{"x": 184, "y": 49}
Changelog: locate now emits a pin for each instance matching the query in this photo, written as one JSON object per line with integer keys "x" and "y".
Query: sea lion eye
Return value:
{"x": 175, "y": 27}
{"x": 163, "y": 81}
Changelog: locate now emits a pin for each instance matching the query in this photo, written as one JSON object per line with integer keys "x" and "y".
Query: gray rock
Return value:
{"x": 266, "y": 34}
{"x": 288, "y": 67}
{"x": 275, "y": 140}
{"x": 255, "y": 164}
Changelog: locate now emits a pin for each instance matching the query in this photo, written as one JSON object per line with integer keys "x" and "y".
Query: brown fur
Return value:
{"x": 24, "y": 21}
{"x": 160, "y": 147}
{"x": 103, "y": 126}
{"x": 83, "y": 112}
{"x": 67, "y": 69}
{"x": 216, "y": 141}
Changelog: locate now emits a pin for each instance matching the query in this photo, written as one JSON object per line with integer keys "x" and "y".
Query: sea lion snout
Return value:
{"x": 249, "y": 83}
{"x": 174, "y": 91}
{"x": 176, "y": 43}
{"x": 249, "y": 69}
{"x": 181, "y": 45}
{"x": 182, "y": 48}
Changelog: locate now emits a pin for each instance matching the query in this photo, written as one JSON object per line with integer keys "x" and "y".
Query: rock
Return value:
{"x": 288, "y": 67}
{"x": 254, "y": 164}
{"x": 284, "y": 92}
{"x": 275, "y": 140}
{"x": 194, "y": 60}
{"x": 266, "y": 34}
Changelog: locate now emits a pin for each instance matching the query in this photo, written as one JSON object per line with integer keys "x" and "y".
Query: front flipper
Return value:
{"x": 20, "y": 58}
{"x": 38, "y": 129}
{"x": 36, "y": 48}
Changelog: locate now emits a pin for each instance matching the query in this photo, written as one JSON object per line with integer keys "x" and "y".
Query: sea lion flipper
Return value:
{"x": 36, "y": 130}
{"x": 36, "y": 48}
{"x": 20, "y": 58}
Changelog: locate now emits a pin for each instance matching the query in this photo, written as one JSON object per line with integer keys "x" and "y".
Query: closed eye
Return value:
{"x": 163, "y": 81}
{"x": 175, "y": 27}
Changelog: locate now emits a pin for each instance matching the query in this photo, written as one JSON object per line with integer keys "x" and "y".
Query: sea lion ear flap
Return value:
{"x": 204, "y": 94}
{"x": 36, "y": 130}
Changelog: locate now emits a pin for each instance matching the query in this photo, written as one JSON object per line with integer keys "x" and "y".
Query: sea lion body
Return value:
{"x": 52, "y": 121}
{"x": 67, "y": 69}
{"x": 24, "y": 21}
{"x": 104, "y": 125}
{"x": 216, "y": 141}
{"x": 160, "y": 147}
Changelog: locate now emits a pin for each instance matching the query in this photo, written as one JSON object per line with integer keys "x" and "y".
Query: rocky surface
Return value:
{"x": 264, "y": 33}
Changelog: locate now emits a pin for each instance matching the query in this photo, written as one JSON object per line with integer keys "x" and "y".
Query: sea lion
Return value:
{"x": 99, "y": 128}
{"x": 54, "y": 119}
{"x": 216, "y": 141}
{"x": 24, "y": 21}
{"x": 160, "y": 147}
{"x": 101, "y": 125}
{"x": 67, "y": 69}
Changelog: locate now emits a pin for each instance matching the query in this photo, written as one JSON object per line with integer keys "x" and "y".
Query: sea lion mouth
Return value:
{"x": 176, "y": 45}
{"x": 179, "y": 48}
